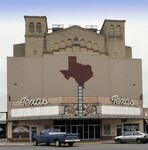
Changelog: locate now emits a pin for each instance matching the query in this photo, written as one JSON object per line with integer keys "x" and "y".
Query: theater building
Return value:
{"x": 77, "y": 79}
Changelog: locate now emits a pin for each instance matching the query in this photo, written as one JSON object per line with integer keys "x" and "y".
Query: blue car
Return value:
{"x": 55, "y": 136}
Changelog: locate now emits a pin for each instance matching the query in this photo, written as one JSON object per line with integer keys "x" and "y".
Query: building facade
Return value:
{"x": 77, "y": 79}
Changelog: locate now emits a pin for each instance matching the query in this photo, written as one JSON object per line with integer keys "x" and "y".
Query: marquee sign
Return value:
{"x": 25, "y": 101}
{"x": 121, "y": 101}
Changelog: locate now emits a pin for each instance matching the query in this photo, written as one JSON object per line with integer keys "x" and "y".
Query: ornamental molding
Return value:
{"x": 87, "y": 110}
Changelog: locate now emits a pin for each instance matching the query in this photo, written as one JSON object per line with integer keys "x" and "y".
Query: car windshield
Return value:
{"x": 143, "y": 132}
{"x": 137, "y": 133}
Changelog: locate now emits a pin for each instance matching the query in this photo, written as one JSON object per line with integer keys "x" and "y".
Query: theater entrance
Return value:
{"x": 87, "y": 129}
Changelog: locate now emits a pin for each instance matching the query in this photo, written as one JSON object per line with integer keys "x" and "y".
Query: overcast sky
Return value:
{"x": 73, "y": 12}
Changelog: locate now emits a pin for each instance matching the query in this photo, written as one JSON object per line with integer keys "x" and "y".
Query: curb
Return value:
{"x": 6, "y": 143}
{"x": 14, "y": 143}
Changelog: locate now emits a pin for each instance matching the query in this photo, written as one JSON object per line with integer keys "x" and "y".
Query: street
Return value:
{"x": 79, "y": 147}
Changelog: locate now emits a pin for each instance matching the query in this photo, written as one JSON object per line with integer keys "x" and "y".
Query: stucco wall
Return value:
{"x": 39, "y": 77}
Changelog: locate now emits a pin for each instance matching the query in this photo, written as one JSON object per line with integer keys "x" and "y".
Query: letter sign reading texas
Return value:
{"x": 81, "y": 73}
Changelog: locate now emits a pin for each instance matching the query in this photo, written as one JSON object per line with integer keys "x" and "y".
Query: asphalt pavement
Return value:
{"x": 5, "y": 142}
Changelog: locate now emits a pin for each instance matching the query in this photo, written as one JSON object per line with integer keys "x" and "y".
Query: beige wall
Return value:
{"x": 19, "y": 50}
{"x": 63, "y": 39}
{"x": 41, "y": 77}
{"x": 25, "y": 77}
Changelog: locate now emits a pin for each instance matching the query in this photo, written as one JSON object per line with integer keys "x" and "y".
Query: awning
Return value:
{"x": 20, "y": 129}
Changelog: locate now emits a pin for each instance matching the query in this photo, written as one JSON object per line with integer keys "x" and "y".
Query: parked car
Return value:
{"x": 55, "y": 136}
{"x": 132, "y": 136}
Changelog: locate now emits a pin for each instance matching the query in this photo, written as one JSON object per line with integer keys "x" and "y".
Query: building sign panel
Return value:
{"x": 120, "y": 110}
{"x": 25, "y": 101}
{"x": 121, "y": 101}
{"x": 35, "y": 111}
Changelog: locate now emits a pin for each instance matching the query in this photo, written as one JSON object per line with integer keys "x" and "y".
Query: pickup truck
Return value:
{"x": 55, "y": 136}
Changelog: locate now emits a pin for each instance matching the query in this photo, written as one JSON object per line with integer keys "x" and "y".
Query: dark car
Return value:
{"x": 132, "y": 136}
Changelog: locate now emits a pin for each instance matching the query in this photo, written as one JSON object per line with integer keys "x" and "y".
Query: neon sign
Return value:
{"x": 121, "y": 101}
{"x": 25, "y": 101}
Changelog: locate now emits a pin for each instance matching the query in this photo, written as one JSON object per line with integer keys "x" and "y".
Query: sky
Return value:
{"x": 73, "y": 12}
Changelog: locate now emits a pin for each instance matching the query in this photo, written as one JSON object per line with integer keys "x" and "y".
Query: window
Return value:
{"x": 76, "y": 41}
{"x": 131, "y": 127}
{"x": 111, "y": 33}
{"x": 137, "y": 133}
{"x": 118, "y": 30}
{"x": 20, "y": 132}
{"x": 107, "y": 129}
{"x": 31, "y": 27}
{"x": 82, "y": 43}
{"x": 62, "y": 44}
{"x": 127, "y": 133}
{"x": 47, "y": 126}
{"x": 69, "y": 42}
{"x": 39, "y": 27}
{"x": 89, "y": 45}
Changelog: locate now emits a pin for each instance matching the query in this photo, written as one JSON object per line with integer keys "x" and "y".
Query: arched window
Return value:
{"x": 82, "y": 43}
{"x": 76, "y": 41}
{"x": 118, "y": 30}
{"x": 62, "y": 44}
{"x": 89, "y": 45}
{"x": 39, "y": 27}
{"x": 69, "y": 42}
{"x": 95, "y": 46}
{"x": 111, "y": 30}
{"x": 56, "y": 46}
{"x": 31, "y": 27}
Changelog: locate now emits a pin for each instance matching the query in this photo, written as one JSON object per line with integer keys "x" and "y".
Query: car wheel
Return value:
{"x": 119, "y": 141}
{"x": 139, "y": 141}
{"x": 57, "y": 143}
{"x": 35, "y": 143}
{"x": 70, "y": 144}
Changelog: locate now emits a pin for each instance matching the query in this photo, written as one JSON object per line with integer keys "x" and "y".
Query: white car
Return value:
{"x": 132, "y": 136}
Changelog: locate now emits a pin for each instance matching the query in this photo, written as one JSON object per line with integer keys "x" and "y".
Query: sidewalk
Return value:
{"x": 4, "y": 142}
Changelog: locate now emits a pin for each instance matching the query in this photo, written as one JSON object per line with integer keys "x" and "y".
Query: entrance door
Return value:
{"x": 81, "y": 131}
{"x": 33, "y": 131}
{"x": 78, "y": 129}
{"x": 97, "y": 132}
{"x": 91, "y": 132}
{"x": 146, "y": 128}
{"x": 119, "y": 129}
